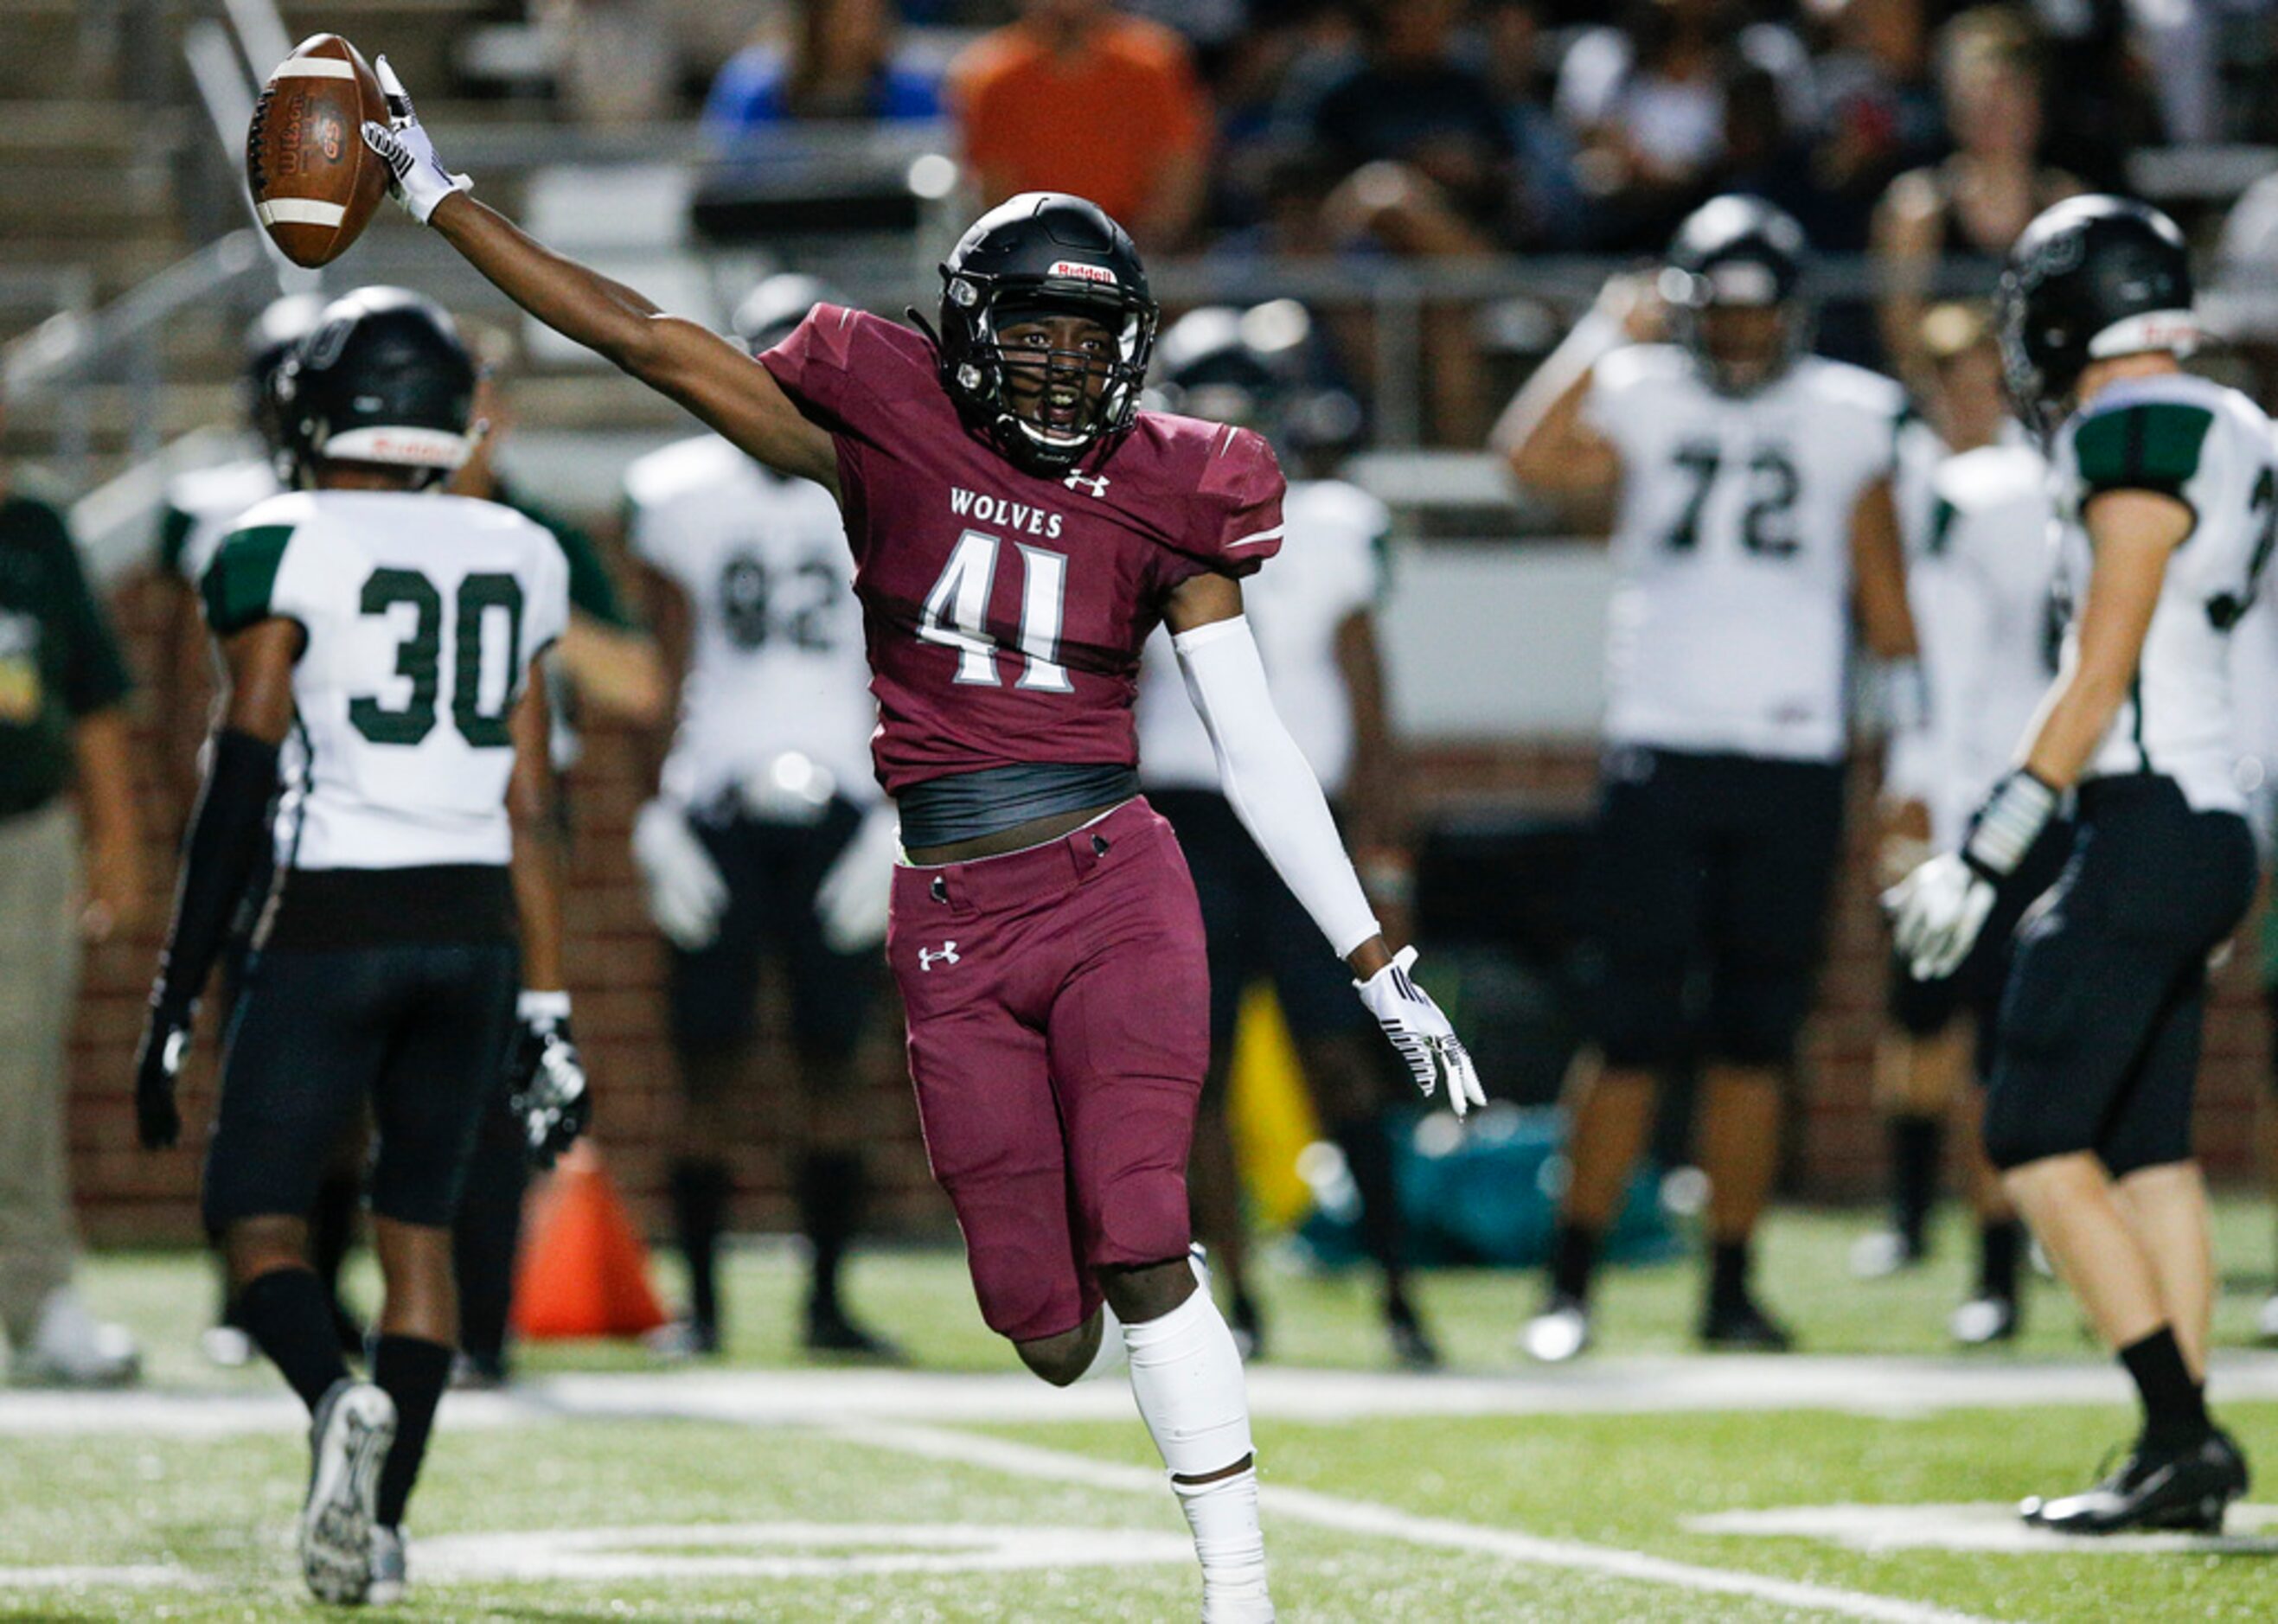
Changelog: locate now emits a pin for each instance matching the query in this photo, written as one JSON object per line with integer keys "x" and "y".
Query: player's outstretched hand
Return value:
{"x": 421, "y": 181}
{"x": 158, "y": 1064}
{"x": 686, "y": 895}
{"x": 546, "y": 1080}
{"x": 1421, "y": 1032}
{"x": 857, "y": 891}
{"x": 1936, "y": 914}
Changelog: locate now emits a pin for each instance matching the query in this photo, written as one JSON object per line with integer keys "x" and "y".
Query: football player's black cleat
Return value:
{"x": 1739, "y": 1324}
{"x": 829, "y": 1330}
{"x": 1045, "y": 254}
{"x": 1412, "y": 1346}
{"x": 2186, "y": 1489}
{"x": 776, "y": 306}
{"x": 382, "y": 378}
{"x": 269, "y": 342}
{"x": 2091, "y": 278}
{"x": 1736, "y": 252}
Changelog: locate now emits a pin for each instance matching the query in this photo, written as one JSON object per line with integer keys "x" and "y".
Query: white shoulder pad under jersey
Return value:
{"x": 1917, "y": 455}
{"x": 2211, "y": 448}
{"x": 423, "y": 614}
{"x": 1981, "y": 590}
{"x": 1330, "y": 568}
{"x": 202, "y": 506}
{"x": 1730, "y": 628}
{"x": 777, "y": 669}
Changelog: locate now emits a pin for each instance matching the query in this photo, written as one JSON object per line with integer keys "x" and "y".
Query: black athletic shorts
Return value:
{"x": 1708, "y": 890}
{"x": 1255, "y": 929}
{"x": 2100, "y": 1024}
{"x": 773, "y": 871}
{"x": 1924, "y": 1008}
{"x": 346, "y": 1003}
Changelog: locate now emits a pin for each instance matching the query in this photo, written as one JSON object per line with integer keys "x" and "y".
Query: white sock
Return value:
{"x": 1187, "y": 1377}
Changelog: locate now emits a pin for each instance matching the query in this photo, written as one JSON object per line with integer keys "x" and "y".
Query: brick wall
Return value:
{"x": 615, "y": 970}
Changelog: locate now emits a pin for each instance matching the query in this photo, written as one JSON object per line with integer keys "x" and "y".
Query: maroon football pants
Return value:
{"x": 1059, "y": 1010}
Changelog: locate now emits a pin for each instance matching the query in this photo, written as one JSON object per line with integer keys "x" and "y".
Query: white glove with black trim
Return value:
{"x": 856, "y": 890}
{"x": 1938, "y": 911}
{"x": 1416, "y": 1028}
{"x": 686, "y": 895}
{"x": 420, "y": 179}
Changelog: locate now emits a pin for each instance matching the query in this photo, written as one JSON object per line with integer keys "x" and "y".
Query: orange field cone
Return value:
{"x": 583, "y": 1271}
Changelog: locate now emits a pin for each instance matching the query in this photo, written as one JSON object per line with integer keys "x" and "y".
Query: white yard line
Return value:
{"x": 1668, "y": 1384}
{"x": 1384, "y": 1522}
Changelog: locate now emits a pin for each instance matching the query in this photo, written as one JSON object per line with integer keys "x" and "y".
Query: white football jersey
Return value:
{"x": 776, "y": 661}
{"x": 202, "y": 506}
{"x": 1326, "y": 572}
{"x": 1917, "y": 455}
{"x": 2211, "y": 449}
{"x": 422, "y": 615}
{"x": 1730, "y": 628}
{"x": 1982, "y": 588}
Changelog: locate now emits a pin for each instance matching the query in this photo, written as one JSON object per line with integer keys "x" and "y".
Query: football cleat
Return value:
{"x": 349, "y": 1442}
{"x": 1412, "y": 1347}
{"x": 1248, "y": 1329}
{"x": 1559, "y": 1332}
{"x": 1881, "y": 1255}
{"x": 1984, "y": 1320}
{"x": 2186, "y": 1489}
{"x": 386, "y": 1566}
{"x": 683, "y": 1339}
{"x": 69, "y": 1348}
{"x": 1740, "y": 1325}
{"x": 226, "y": 1346}
{"x": 829, "y": 1330}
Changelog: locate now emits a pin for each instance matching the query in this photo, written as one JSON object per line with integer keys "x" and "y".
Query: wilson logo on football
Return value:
{"x": 1083, "y": 272}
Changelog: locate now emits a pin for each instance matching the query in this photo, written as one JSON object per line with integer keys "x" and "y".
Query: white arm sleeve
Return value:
{"x": 1269, "y": 782}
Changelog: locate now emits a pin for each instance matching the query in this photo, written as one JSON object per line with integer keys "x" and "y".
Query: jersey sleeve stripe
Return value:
{"x": 1255, "y": 538}
{"x": 240, "y": 581}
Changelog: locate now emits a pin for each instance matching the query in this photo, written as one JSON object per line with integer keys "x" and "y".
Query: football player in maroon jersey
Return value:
{"x": 1019, "y": 528}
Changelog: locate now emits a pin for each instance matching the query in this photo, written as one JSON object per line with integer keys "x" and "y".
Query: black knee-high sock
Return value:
{"x": 2174, "y": 1406}
{"x": 413, "y": 1372}
{"x": 1998, "y": 1243}
{"x": 331, "y": 1233}
{"x": 699, "y": 1206}
{"x": 830, "y": 1186}
{"x": 484, "y": 1238}
{"x": 1368, "y": 1158}
{"x": 1917, "y": 1147}
{"x": 1573, "y": 1260}
{"x": 1728, "y": 1273}
{"x": 288, "y": 1314}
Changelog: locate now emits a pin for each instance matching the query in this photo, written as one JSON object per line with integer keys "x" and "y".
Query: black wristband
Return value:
{"x": 225, "y": 846}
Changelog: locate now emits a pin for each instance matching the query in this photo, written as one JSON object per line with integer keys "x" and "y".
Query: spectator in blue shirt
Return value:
{"x": 838, "y": 62}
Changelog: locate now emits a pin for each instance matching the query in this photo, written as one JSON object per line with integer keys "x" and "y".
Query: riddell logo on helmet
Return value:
{"x": 1083, "y": 272}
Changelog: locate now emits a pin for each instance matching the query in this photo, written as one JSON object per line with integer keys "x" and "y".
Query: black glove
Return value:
{"x": 157, "y": 1063}
{"x": 546, "y": 1080}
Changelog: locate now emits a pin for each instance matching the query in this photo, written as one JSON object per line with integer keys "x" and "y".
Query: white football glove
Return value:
{"x": 421, "y": 181}
{"x": 1421, "y": 1032}
{"x": 686, "y": 895}
{"x": 1936, "y": 914}
{"x": 853, "y": 900}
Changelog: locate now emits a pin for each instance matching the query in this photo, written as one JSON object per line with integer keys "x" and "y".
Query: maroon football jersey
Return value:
{"x": 1005, "y": 611}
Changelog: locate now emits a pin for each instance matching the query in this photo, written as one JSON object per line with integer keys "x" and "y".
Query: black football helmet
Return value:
{"x": 1738, "y": 252}
{"x": 1258, "y": 368}
{"x": 382, "y": 378}
{"x": 282, "y": 323}
{"x": 1045, "y": 254}
{"x": 2090, "y": 278}
{"x": 772, "y": 309}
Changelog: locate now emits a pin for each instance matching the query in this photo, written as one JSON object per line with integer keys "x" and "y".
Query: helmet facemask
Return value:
{"x": 1743, "y": 328}
{"x": 1046, "y": 405}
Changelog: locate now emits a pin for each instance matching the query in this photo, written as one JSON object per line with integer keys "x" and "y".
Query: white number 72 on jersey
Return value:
{"x": 957, "y": 612}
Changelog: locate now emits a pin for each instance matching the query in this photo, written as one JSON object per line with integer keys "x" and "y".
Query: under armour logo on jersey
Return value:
{"x": 929, "y": 956}
{"x": 1097, "y": 484}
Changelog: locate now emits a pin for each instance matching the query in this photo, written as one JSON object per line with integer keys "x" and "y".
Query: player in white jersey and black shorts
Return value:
{"x": 1756, "y": 541}
{"x": 379, "y": 645}
{"x": 1316, "y": 632}
{"x": 767, "y": 838}
{"x": 1980, "y": 571}
{"x": 2167, "y": 498}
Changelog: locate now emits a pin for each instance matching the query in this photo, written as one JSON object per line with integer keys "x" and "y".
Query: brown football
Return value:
{"x": 315, "y": 184}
